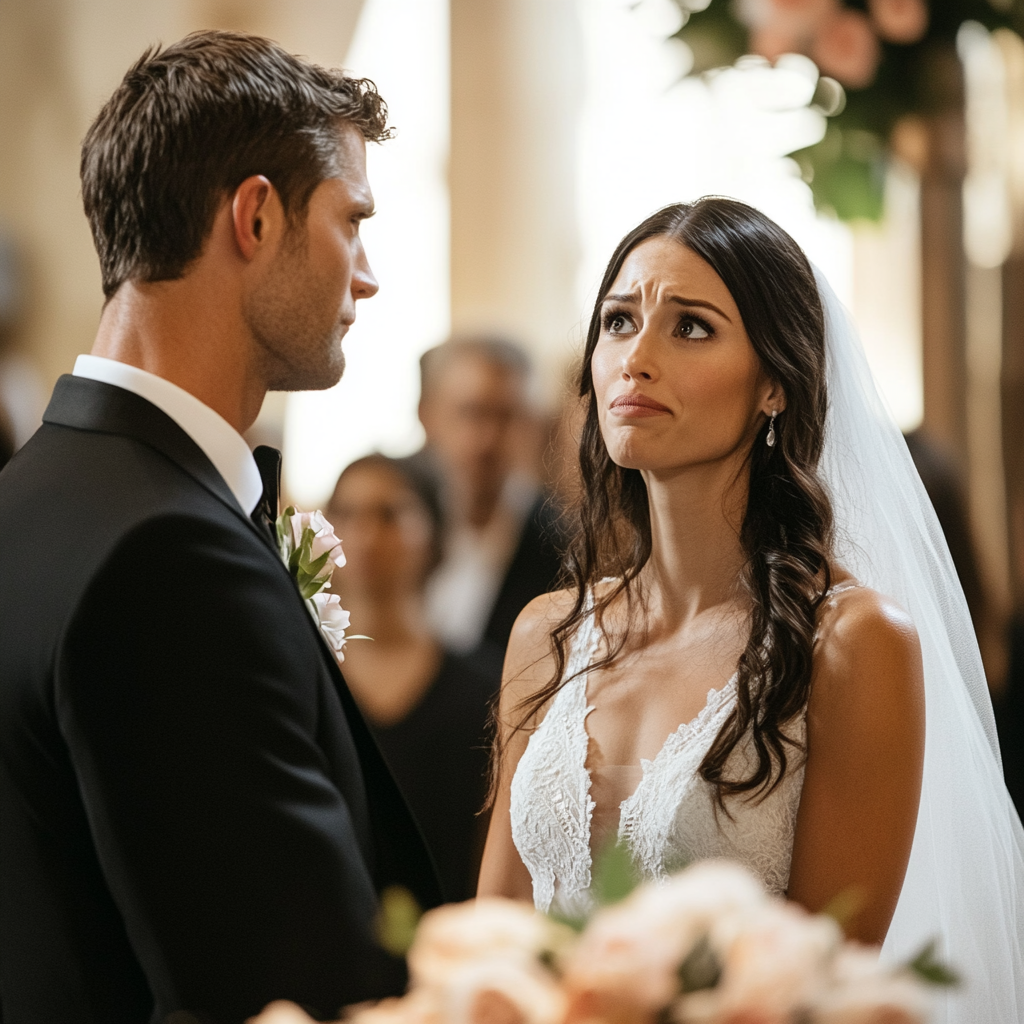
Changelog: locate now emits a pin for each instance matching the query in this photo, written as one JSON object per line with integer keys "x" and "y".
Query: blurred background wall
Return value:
{"x": 531, "y": 135}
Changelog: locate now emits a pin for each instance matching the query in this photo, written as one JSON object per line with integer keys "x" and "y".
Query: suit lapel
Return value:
{"x": 86, "y": 404}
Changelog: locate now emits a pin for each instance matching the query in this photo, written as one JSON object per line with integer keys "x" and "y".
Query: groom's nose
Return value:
{"x": 364, "y": 284}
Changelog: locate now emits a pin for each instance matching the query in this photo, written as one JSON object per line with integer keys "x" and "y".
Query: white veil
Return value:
{"x": 965, "y": 881}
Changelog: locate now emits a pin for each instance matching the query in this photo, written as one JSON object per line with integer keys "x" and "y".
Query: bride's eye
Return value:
{"x": 691, "y": 327}
{"x": 617, "y": 323}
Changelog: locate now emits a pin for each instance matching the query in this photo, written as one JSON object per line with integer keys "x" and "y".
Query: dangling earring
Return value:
{"x": 771, "y": 431}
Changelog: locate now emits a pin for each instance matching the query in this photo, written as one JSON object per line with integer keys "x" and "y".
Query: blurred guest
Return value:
{"x": 501, "y": 545}
{"x": 6, "y": 440}
{"x": 944, "y": 483}
{"x": 427, "y": 707}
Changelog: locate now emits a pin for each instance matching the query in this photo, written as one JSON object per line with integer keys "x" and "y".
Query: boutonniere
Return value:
{"x": 312, "y": 552}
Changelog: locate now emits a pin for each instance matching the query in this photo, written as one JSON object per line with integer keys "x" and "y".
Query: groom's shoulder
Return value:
{"x": 83, "y": 477}
{"x": 71, "y": 500}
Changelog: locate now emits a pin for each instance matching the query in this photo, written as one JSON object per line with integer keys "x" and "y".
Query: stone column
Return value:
{"x": 943, "y": 269}
{"x": 516, "y": 85}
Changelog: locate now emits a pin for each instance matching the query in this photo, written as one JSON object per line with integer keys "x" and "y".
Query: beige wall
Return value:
{"x": 59, "y": 59}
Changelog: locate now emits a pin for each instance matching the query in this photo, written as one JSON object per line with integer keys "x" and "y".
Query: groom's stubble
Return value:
{"x": 295, "y": 324}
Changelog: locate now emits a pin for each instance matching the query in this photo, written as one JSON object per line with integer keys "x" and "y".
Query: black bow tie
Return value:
{"x": 264, "y": 515}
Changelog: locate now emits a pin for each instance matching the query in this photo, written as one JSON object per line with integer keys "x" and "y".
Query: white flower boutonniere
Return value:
{"x": 311, "y": 551}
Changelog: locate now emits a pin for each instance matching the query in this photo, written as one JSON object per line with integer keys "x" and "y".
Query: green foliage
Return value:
{"x": 930, "y": 969}
{"x": 309, "y": 572}
{"x": 397, "y": 918}
{"x": 614, "y": 874}
{"x": 846, "y": 170}
{"x": 701, "y": 969}
{"x": 845, "y": 907}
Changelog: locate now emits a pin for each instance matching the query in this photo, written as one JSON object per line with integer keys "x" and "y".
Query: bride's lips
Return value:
{"x": 637, "y": 406}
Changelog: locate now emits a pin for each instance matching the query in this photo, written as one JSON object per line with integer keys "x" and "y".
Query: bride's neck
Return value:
{"x": 696, "y": 553}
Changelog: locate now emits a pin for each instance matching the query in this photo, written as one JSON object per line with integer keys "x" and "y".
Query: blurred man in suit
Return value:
{"x": 195, "y": 819}
{"x": 501, "y": 548}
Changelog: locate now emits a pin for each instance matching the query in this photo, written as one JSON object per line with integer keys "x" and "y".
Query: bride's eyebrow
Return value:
{"x": 698, "y": 302}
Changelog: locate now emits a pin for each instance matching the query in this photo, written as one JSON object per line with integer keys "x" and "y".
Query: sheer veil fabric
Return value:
{"x": 965, "y": 882}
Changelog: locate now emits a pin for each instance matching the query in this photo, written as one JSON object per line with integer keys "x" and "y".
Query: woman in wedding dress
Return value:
{"x": 764, "y": 653}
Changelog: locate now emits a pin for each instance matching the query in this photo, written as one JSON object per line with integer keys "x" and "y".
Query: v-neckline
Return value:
{"x": 692, "y": 726}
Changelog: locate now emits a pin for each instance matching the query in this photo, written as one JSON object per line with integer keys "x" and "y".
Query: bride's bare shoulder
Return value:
{"x": 529, "y": 659}
{"x": 866, "y": 648}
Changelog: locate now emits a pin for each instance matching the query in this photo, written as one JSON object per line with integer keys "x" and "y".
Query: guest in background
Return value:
{"x": 6, "y": 440}
{"x": 501, "y": 546}
{"x": 427, "y": 707}
{"x": 1004, "y": 663}
{"x": 943, "y": 480}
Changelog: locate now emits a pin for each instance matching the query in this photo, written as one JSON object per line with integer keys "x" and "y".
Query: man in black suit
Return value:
{"x": 502, "y": 546}
{"x": 195, "y": 819}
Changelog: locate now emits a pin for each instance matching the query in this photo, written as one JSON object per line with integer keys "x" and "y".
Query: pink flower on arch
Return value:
{"x": 783, "y": 26}
{"x": 846, "y": 48}
{"x": 899, "y": 21}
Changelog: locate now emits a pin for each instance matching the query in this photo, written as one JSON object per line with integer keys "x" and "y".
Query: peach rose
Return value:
{"x": 899, "y": 21}
{"x": 499, "y": 990}
{"x": 486, "y": 928}
{"x": 281, "y": 1012}
{"x": 846, "y": 48}
{"x": 776, "y": 959}
{"x": 415, "y": 1008}
{"x": 630, "y": 953}
{"x": 863, "y": 991}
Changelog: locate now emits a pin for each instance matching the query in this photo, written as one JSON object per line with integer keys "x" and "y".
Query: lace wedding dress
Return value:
{"x": 669, "y": 820}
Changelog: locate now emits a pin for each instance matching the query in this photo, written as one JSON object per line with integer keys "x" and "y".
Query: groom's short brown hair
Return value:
{"x": 188, "y": 124}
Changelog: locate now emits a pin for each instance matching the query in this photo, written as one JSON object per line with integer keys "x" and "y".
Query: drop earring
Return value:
{"x": 770, "y": 439}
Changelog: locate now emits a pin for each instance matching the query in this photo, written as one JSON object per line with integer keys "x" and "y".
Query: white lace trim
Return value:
{"x": 670, "y": 819}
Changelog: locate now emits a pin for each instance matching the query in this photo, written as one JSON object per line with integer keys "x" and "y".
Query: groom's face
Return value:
{"x": 305, "y": 301}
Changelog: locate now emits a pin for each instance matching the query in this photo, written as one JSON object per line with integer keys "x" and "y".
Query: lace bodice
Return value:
{"x": 669, "y": 820}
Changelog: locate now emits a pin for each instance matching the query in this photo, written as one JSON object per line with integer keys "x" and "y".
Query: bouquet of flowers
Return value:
{"x": 708, "y": 946}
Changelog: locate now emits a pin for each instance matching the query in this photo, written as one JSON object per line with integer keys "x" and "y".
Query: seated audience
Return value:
{"x": 427, "y": 707}
{"x": 501, "y": 546}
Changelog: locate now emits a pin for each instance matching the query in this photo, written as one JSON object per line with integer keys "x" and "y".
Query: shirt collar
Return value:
{"x": 220, "y": 442}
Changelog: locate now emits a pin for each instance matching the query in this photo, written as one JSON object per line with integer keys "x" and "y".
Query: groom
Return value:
{"x": 194, "y": 819}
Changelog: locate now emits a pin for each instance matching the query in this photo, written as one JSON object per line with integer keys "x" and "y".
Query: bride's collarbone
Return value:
{"x": 639, "y": 702}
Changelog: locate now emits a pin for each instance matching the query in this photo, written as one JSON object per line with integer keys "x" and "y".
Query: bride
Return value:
{"x": 764, "y": 653}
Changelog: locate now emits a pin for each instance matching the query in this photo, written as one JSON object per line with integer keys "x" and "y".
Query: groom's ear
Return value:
{"x": 257, "y": 215}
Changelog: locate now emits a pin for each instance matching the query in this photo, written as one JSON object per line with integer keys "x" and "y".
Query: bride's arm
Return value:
{"x": 865, "y": 754}
{"x": 529, "y": 664}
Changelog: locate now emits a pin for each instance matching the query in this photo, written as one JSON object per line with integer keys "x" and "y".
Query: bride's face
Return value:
{"x": 676, "y": 378}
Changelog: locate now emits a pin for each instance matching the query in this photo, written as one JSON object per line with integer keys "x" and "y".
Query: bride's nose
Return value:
{"x": 638, "y": 360}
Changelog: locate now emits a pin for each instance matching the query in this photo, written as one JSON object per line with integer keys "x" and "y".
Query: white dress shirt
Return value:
{"x": 462, "y": 590}
{"x": 220, "y": 442}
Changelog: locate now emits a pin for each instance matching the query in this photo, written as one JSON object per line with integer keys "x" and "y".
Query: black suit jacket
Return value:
{"x": 193, "y": 815}
{"x": 534, "y": 570}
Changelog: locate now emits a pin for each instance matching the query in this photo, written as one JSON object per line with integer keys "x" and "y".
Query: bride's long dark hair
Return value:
{"x": 787, "y": 529}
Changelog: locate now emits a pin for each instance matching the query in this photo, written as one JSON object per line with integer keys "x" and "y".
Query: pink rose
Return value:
{"x": 324, "y": 539}
{"x": 899, "y": 21}
{"x": 333, "y": 621}
{"x": 846, "y": 48}
{"x": 783, "y": 26}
